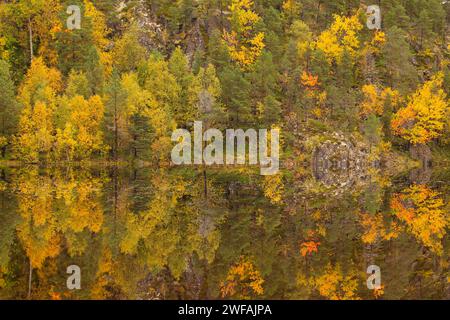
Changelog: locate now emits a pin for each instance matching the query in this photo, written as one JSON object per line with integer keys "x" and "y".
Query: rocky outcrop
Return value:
{"x": 151, "y": 32}
{"x": 422, "y": 174}
{"x": 340, "y": 162}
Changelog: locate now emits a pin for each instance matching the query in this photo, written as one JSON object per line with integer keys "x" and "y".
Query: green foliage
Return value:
{"x": 236, "y": 96}
{"x": 161, "y": 64}
{"x": 397, "y": 61}
{"x": 9, "y": 108}
{"x": 111, "y": 93}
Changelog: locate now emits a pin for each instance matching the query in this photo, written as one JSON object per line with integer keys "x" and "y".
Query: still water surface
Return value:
{"x": 164, "y": 234}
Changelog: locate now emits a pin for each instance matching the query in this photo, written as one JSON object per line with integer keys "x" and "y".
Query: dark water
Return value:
{"x": 161, "y": 234}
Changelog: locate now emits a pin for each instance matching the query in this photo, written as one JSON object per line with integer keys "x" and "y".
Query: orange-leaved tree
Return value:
{"x": 243, "y": 281}
{"x": 422, "y": 211}
{"x": 423, "y": 119}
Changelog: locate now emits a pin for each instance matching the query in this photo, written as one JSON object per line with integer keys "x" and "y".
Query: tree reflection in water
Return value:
{"x": 152, "y": 234}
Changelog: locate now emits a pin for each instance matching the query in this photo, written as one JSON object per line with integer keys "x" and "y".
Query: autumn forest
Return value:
{"x": 92, "y": 90}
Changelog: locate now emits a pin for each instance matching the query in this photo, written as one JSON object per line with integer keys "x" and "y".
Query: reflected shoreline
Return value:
{"x": 153, "y": 234}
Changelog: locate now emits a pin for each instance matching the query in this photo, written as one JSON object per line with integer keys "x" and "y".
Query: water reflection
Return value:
{"x": 172, "y": 234}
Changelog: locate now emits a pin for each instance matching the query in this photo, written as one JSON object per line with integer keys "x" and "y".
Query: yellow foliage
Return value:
{"x": 82, "y": 134}
{"x": 2, "y": 280}
{"x": 40, "y": 84}
{"x": 303, "y": 36}
{"x": 423, "y": 119}
{"x": 377, "y": 42}
{"x": 378, "y": 293}
{"x": 86, "y": 116}
{"x": 4, "y": 53}
{"x": 38, "y": 232}
{"x": 244, "y": 44}
{"x": 35, "y": 132}
{"x": 273, "y": 188}
{"x": 47, "y": 25}
{"x": 243, "y": 281}
{"x": 65, "y": 143}
{"x": 100, "y": 32}
{"x": 46, "y": 225}
{"x": 3, "y": 141}
{"x": 332, "y": 284}
{"x": 86, "y": 211}
{"x": 291, "y": 8}
{"x": 371, "y": 105}
{"x": 37, "y": 93}
{"x": 422, "y": 210}
{"x": 374, "y": 228}
{"x": 379, "y": 39}
{"x": 103, "y": 275}
{"x": 158, "y": 229}
{"x": 375, "y": 99}
{"x": 339, "y": 38}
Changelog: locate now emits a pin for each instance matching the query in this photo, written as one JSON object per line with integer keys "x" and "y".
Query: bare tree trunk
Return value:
{"x": 422, "y": 153}
{"x": 116, "y": 133}
{"x": 31, "y": 39}
{"x": 318, "y": 12}
{"x": 221, "y": 15}
{"x": 205, "y": 182}
{"x": 29, "y": 280}
{"x": 116, "y": 196}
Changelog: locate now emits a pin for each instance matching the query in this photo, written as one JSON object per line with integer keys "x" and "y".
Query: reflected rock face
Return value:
{"x": 341, "y": 162}
{"x": 422, "y": 174}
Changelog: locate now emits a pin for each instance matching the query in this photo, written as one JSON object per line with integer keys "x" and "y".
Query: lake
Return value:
{"x": 183, "y": 233}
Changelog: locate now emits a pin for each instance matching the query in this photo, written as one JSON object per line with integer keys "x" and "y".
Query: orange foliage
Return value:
{"x": 374, "y": 228}
{"x": 55, "y": 295}
{"x": 309, "y": 81}
{"x": 307, "y": 248}
{"x": 421, "y": 209}
{"x": 423, "y": 119}
{"x": 378, "y": 293}
{"x": 243, "y": 280}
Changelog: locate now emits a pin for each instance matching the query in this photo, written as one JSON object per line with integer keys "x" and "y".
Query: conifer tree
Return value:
{"x": 9, "y": 108}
